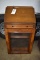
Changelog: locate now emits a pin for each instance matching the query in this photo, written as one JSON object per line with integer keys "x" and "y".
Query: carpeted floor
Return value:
{"x": 35, "y": 54}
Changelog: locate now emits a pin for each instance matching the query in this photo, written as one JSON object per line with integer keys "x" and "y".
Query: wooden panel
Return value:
{"x": 19, "y": 50}
{"x": 19, "y": 26}
{"x": 19, "y": 37}
{"x": 23, "y": 14}
{"x": 20, "y": 30}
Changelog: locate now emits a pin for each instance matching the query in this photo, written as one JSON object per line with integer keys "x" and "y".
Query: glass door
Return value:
{"x": 19, "y": 41}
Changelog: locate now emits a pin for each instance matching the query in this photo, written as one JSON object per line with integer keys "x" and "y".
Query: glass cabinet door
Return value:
{"x": 19, "y": 40}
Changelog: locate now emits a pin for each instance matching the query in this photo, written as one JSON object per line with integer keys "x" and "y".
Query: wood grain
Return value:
{"x": 23, "y": 21}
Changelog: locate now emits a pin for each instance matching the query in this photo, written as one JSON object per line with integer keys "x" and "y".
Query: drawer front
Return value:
{"x": 19, "y": 26}
{"x": 20, "y": 30}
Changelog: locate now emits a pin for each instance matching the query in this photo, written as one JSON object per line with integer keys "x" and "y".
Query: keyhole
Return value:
{"x": 26, "y": 26}
{"x": 12, "y": 26}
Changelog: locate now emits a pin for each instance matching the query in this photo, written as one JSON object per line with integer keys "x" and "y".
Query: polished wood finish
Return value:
{"x": 19, "y": 26}
{"x": 23, "y": 21}
{"x": 23, "y": 14}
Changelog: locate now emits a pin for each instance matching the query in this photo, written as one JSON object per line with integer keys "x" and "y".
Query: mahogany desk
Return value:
{"x": 19, "y": 28}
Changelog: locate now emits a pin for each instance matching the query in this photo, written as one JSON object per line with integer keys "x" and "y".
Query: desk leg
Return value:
{"x": 31, "y": 41}
{"x": 8, "y": 41}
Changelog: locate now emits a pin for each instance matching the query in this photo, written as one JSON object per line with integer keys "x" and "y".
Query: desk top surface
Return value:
{"x": 20, "y": 14}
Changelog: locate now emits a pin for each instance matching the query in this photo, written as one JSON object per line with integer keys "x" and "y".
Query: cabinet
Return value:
{"x": 19, "y": 29}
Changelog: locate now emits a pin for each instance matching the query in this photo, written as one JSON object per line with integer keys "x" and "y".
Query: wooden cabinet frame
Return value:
{"x": 21, "y": 22}
{"x": 29, "y": 49}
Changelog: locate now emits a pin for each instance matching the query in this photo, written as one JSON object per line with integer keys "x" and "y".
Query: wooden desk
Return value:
{"x": 19, "y": 29}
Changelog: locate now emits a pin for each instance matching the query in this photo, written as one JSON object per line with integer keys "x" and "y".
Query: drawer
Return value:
{"x": 19, "y": 26}
{"x": 16, "y": 30}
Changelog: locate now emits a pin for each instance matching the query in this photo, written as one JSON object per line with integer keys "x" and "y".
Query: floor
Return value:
{"x": 35, "y": 54}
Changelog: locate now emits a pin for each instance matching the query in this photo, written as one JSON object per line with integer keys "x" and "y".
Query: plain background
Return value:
{"x": 5, "y": 3}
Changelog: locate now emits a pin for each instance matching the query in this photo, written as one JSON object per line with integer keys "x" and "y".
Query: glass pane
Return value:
{"x": 19, "y": 42}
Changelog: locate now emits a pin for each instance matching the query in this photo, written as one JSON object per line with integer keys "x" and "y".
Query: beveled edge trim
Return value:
{"x": 24, "y": 23}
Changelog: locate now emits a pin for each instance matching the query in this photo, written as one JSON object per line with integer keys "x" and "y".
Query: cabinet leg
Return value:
{"x": 31, "y": 42}
{"x": 8, "y": 41}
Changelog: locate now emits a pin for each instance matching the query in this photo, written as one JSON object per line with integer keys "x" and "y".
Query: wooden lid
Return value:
{"x": 22, "y": 14}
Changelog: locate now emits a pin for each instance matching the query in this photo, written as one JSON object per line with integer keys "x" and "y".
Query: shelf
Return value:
{"x": 19, "y": 37}
{"x": 19, "y": 50}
